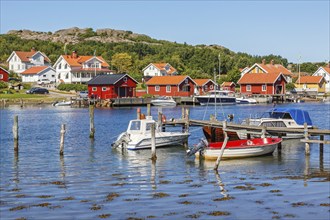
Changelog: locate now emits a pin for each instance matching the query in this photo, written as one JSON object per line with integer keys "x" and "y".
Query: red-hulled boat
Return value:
{"x": 237, "y": 148}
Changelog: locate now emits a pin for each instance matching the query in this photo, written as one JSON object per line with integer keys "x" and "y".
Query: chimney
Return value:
{"x": 263, "y": 62}
{"x": 74, "y": 54}
{"x": 272, "y": 62}
{"x": 33, "y": 50}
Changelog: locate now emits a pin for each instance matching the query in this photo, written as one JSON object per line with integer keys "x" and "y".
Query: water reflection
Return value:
{"x": 221, "y": 185}
{"x": 153, "y": 175}
{"x": 92, "y": 150}
{"x": 62, "y": 166}
{"x": 16, "y": 168}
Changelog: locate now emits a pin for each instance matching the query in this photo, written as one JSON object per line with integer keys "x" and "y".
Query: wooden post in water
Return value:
{"x": 153, "y": 142}
{"x": 91, "y": 121}
{"x": 160, "y": 122}
{"x": 22, "y": 104}
{"x": 62, "y": 139}
{"x": 226, "y": 138}
{"x": 321, "y": 145}
{"x": 138, "y": 113}
{"x": 279, "y": 146}
{"x": 183, "y": 118}
{"x": 15, "y": 133}
{"x": 148, "y": 109}
{"x": 187, "y": 120}
{"x": 307, "y": 148}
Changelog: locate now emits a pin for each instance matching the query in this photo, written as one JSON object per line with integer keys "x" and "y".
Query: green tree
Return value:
{"x": 122, "y": 62}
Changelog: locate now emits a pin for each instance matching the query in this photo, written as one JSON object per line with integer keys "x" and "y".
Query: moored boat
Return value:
{"x": 236, "y": 149}
{"x": 217, "y": 97}
{"x": 62, "y": 103}
{"x": 163, "y": 101}
{"x": 243, "y": 100}
{"x": 138, "y": 135}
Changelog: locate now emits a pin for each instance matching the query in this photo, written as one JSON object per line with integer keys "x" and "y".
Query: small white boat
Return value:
{"x": 217, "y": 97}
{"x": 163, "y": 101}
{"x": 243, "y": 100}
{"x": 62, "y": 103}
{"x": 236, "y": 149}
{"x": 138, "y": 135}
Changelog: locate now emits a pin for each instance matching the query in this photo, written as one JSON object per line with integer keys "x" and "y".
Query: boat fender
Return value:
{"x": 249, "y": 142}
{"x": 163, "y": 118}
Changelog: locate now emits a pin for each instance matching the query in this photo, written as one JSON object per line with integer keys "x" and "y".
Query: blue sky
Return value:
{"x": 287, "y": 28}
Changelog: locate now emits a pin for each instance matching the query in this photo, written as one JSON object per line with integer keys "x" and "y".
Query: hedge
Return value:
{"x": 69, "y": 87}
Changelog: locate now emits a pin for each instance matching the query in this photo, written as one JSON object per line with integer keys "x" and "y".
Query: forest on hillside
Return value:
{"x": 200, "y": 61}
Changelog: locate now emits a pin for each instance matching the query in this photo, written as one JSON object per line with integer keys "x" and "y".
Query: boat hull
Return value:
{"x": 218, "y": 101}
{"x": 155, "y": 103}
{"x": 164, "y": 139}
{"x": 241, "y": 148}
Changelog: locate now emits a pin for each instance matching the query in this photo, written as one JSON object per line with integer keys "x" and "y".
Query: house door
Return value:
{"x": 278, "y": 89}
{"x": 122, "y": 92}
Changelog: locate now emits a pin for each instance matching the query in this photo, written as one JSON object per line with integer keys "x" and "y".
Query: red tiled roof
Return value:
{"x": 259, "y": 78}
{"x": 327, "y": 69}
{"x": 227, "y": 83}
{"x": 34, "y": 70}
{"x": 274, "y": 68}
{"x": 166, "y": 80}
{"x": 79, "y": 60}
{"x": 201, "y": 82}
{"x": 309, "y": 79}
{"x": 24, "y": 56}
{"x": 161, "y": 66}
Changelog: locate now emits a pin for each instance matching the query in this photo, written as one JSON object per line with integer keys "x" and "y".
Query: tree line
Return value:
{"x": 200, "y": 61}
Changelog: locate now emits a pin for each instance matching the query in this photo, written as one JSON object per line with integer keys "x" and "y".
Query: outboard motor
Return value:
{"x": 122, "y": 139}
{"x": 200, "y": 146}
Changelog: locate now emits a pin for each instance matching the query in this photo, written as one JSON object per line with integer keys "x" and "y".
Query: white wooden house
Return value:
{"x": 19, "y": 61}
{"x": 325, "y": 72}
{"x": 39, "y": 74}
{"x": 159, "y": 69}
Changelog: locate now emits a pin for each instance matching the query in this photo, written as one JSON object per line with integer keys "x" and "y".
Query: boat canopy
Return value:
{"x": 300, "y": 116}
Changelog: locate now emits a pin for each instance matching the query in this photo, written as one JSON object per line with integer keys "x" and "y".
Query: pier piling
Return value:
{"x": 91, "y": 121}
{"x": 62, "y": 139}
{"x": 226, "y": 138}
{"x": 148, "y": 109}
{"x": 15, "y": 133}
{"x": 138, "y": 113}
{"x": 307, "y": 147}
{"x": 153, "y": 142}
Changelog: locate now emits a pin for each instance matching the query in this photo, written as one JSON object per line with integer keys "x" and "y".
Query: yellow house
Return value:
{"x": 311, "y": 84}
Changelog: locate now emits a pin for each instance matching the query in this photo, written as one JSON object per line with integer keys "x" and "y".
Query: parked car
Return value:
{"x": 44, "y": 81}
{"x": 37, "y": 90}
{"x": 83, "y": 94}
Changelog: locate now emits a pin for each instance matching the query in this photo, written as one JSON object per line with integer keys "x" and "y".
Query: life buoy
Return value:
{"x": 249, "y": 142}
{"x": 163, "y": 118}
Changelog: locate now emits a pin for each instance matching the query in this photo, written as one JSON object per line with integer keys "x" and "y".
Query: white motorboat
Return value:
{"x": 217, "y": 97}
{"x": 282, "y": 117}
{"x": 163, "y": 101}
{"x": 243, "y": 100}
{"x": 62, "y": 103}
{"x": 236, "y": 149}
{"x": 138, "y": 135}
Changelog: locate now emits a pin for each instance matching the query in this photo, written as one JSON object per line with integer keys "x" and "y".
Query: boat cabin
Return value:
{"x": 140, "y": 126}
{"x": 298, "y": 115}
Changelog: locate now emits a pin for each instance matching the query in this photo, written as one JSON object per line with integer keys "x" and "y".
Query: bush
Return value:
{"x": 27, "y": 86}
{"x": 69, "y": 87}
{"x": 3, "y": 85}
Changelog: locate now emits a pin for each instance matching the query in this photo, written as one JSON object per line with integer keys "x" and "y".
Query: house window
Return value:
{"x": 168, "y": 88}
{"x": 67, "y": 76}
{"x": 264, "y": 87}
{"x": 125, "y": 79}
{"x": 205, "y": 88}
{"x": 11, "y": 67}
{"x": 157, "y": 88}
{"x": 248, "y": 87}
{"x": 211, "y": 86}
{"x": 104, "y": 89}
{"x": 53, "y": 76}
{"x": 60, "y": 66}
{"x": 94, "y": 89}
{"x": 186, "y": 81}
{"x": 1, "y": 76}
{"x": 44, "y": 76}
{"x": 65, "y": 66}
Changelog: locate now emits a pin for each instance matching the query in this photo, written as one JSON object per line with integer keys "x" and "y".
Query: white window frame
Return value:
{"x": 125, "y": 79}
{"x": 157, "y": 88}
{"x": 94, "y": 89}
{"x": 168, "y": 88}
{"x": 248, "y": 88}
{"x": 104, "y": 89}
{"x": 264, "y": 88}
{"x": 1, "y": 76}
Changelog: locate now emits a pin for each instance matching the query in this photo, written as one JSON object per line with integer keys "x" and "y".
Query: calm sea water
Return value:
{"x": 94, "y": 181}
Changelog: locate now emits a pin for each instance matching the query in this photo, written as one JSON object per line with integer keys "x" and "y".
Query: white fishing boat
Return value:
{"x": 138, "y": 135}
{"x": 217, "y": 97}
{"x": 163, "y": 101}
{"x": 236, "y": 149}
{"x": 282, "y": 117}
{"x": 62, "y": 103}
{"x": 243, "y": 100}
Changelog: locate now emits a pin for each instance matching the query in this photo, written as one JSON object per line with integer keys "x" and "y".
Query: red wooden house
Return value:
{"x": 204, "y": 85}
{"x": 262, "y": 83}
{"x": 230, "y": 86}
{"x": 4, "y": 75}
{"x": 112, "y": 86}
{"x": 171, "y": 86}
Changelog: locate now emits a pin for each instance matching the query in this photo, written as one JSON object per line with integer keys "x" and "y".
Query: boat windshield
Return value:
{"x": 277, "y": 115}
{"x": 135, "y": 125}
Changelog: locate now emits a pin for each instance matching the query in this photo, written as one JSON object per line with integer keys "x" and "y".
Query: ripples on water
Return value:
{"x": 93, "y": 181}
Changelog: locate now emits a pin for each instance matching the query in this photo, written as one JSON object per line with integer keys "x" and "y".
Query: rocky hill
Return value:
{"x": 75, "y": 35}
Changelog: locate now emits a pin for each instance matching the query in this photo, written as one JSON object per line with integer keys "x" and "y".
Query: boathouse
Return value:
{"x": 4, "y": 75}
{"x": 325, "y": 72}
{"x": 230, "y": 86}
{"x": 182, "y": 86}
{"x": 204, "y": 85}
{"x": 112, "y": 86}
{"x": 310, "y": 84}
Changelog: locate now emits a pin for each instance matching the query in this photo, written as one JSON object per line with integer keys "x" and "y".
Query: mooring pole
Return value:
{"x": 149, "y": 109}
{"x": 307, "y": 148}
{"x": 153, "y": 142}
{"x": 226, "y": 138}
{"x": 138, "y": 113}
{"x": 91, "y": 121}
{"x": 15, "y": 133}
{"x": 62, "y": 139}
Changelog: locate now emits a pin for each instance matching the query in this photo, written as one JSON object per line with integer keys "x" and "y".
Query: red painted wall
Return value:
{"x": 229, "y": 88}
{"x": 4, "y": 75}
{"x": 270, "y": 90}
{"x": 174, "y": 90}
{"x": 200, "y": 89}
